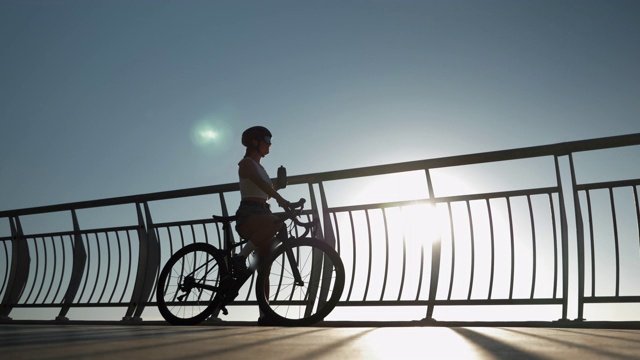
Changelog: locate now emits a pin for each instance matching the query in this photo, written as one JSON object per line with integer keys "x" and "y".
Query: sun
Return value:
{"x": 410, "y": 212}
{"x": 420, "y": 223}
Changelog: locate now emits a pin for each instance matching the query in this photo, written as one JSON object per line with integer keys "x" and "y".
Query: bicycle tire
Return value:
{"x": 206, "y": 266}
{"x": 288, "y": 304}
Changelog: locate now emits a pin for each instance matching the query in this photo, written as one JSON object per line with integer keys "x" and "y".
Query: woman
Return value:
{"x": 254, "y": 218}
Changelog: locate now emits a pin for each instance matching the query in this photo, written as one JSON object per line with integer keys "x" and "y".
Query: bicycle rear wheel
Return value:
{"x": 188, "y": 284}
{"x": 283, "y": 300}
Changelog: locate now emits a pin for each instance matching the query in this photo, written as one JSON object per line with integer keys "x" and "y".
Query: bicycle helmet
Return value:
{"x": 256, "y": 133}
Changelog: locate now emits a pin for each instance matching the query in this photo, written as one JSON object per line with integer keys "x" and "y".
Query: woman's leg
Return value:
{"x": 260, "y": 230}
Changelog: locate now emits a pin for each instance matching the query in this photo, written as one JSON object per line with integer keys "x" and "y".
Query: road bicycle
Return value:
{"x": 297, "y": 284}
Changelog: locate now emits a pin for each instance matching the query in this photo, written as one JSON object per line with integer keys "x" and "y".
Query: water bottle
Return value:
{"x": 282, "y": 177}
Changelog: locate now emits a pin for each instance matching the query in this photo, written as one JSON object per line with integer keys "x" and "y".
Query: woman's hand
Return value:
{"x": 282, "y": 202}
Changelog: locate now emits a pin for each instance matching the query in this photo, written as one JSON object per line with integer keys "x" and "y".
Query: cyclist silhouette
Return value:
{"x": 255, "y": 221}
{"x": 196, "y": 280}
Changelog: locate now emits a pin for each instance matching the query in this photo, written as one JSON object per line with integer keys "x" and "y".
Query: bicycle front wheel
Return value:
{"x": 188, "y": 284}
{"x": 300, "y": 283}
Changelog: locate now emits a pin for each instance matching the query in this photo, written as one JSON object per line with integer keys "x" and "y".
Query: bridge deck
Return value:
{"x": 239, "y": 342}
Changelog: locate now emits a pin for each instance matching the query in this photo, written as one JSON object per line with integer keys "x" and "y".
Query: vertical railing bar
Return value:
{"x": 534, "y": 247}
{"x": 421, "y": 273}
{"x": 170, "y": 250}
{"x": 206, "y": 240}
{"x": 55, "y": 267}
{"x": 175, "y": 294}
{"x": 513, "y": 257}
{"x": 85, "y": 277}
{"x": 616, "y": 239}
{"x": 181, "y": 235}
{"x": 366, "y": 287}
{"x": 591, "y": 244}
{"x": 38, "y": 275}
{"x": 473, "y": 249}
{"x": 386, "y": 253}
{"x": 95, "y": 285}
{"x": 313, "y": 292}
{"x": 493, "y": 248}
{"x": 453, "y": 251}
{"x": 171, "y": 239}
{"x": 64, "y": 261}
{"x": 220, "y": 242}
{"x": 182, "y": 269}
{"x": 126, "y": 284}
{"x": 106, "y": 281}
{"x": 353, "y": 266}
{"x": 36, "y": 272}
{"x": 44, "y": 271}
{"x": 555, "y": 245}
{"x": 635, "y": 200}
{"x": 53, "y": 276}
{"x": 6, "y": 267}
{"x": 225, "y": 212}
{"x": 206, "y": 233}
{"x": 337, "y": 231}
{"x": 283, "y": 260}
{"x": 404, "y": 259}
{"x": 193, "y": 236}
{"x": 120, "y": 256}
{"x": 156, "y": 232}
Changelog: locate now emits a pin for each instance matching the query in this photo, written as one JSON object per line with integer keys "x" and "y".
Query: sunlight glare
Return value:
{"x": 416, "y": 343}
{"x": 421, "y": 223}
{"x": 211, "y": 135}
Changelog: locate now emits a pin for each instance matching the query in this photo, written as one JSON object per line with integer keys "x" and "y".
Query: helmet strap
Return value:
{"x": 257, "y": 148}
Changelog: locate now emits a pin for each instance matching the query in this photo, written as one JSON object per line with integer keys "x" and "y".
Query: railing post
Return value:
{"x": 436, "y": 253}
{"x": 565, "y": 243}
{"x": 316, "y": 212}
{"x": 579, "y": 239}
{"x": 19, "y": 272}
{"x": 77, "y": 269}
{"x": 148, "y": 265}
{"x": 329, "y": 236}
{"x": 320, "y": 263}
{"x": 215, "y": 315}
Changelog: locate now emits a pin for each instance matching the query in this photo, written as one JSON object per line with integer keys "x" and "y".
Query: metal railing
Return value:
{"x": 508, "y": 247}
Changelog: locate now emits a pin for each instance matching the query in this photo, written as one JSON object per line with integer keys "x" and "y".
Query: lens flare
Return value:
{"x": 211, "y": 135}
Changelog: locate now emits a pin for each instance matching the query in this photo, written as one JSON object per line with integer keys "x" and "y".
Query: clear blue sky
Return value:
{"x": 103, "y": 98}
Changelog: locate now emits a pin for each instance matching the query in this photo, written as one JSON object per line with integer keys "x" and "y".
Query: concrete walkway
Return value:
{"x": 250, "y": 342}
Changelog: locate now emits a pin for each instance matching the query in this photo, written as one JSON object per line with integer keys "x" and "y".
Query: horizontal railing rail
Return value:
{"x": 490, "y": 248}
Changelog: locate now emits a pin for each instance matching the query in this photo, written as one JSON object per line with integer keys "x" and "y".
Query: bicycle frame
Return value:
{"x": 210, "y": 274}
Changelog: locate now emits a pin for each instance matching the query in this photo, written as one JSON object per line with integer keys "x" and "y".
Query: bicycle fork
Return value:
{"x": 294, "y": 267}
